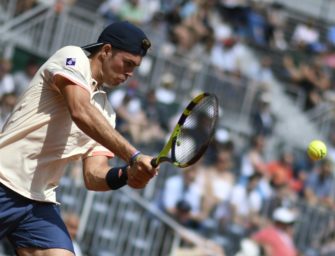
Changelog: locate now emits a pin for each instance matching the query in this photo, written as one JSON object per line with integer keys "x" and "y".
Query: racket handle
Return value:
{"x": 154, "y": 162}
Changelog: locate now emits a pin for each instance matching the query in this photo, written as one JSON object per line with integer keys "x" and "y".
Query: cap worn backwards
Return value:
{"x": 124, "y": 36}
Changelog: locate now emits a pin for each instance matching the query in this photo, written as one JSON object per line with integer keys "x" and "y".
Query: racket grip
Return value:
{"x": 154, "y": 162}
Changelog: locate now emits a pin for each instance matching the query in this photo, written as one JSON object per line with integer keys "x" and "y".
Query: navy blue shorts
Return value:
{"x": 31, "y": 224}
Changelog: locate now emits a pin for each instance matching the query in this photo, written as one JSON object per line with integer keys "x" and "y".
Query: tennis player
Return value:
{"x": 64, "y": 115}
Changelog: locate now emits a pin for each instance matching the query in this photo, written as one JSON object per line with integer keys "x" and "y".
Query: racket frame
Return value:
{"x": 170, "y": 145}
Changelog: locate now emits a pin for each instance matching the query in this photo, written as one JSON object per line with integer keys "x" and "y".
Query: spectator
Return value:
{"x": 23, "y": 77}
{"x": 72, "y": 221}
{"x": 235, "y": 11}
{"x": 263, "y": 120}
{"x": 166, "y": 95}
{"x": 232, "y": 56}
{"x": 192, "y": 27}
{"x": 224, "y": 56}
{"x": 302, "y": 167}
{"x": 182, "y": 198}
{"x": 6, "y": 78}
{"x": 156, "y": 112}
{"x": 221, "y": 141}
{"x": 7, "y": 104}
{"x": 63, "y": 5}
{"x": 283, "y": 196}
{"x": 134, "y": 122}
{"x": 319, "y": 186}
{"x": 262, "y": 73}
{"x": 248, "y": 248}
{"x": 132, "y": 117}
{"x": 245, "y": 202}
{"x": 222, "y": 31}
{"x": 136, "y": 11}
{"x": 217, "y": 181}
{"x": 276, "y": 239}
{"x": 331, "y": 146}
{"x": 311, "y": 77}
{"x": 326, "y": 243}
{"x": 253, "y": 159}
{"x": 281, "y": 171}
{"x": 109, "y": 9}
{"x": 258, "y": 25}
{"x": 201, "y": 246}
{"x": 277, "y": 19}
{"x": 307, "y": 36}
{"x": 24, "y": 5}
{"x": 331, "y": 36}
{"x": 132, "y": 11}
{"x": 127, "y": 105}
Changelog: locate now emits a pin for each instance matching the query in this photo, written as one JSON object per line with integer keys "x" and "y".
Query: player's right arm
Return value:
{"x": 89, "y": 119}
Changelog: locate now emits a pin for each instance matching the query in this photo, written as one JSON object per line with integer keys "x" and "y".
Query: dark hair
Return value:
{"x": 255, "y": 175}
{"x": 183, "y": 206}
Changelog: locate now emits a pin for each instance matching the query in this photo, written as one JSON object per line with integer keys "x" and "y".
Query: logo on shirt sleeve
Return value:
{"x": 70, "y": 61}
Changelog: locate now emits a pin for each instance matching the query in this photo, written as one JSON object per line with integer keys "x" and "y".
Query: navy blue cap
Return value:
{"x": 124, "y": 36}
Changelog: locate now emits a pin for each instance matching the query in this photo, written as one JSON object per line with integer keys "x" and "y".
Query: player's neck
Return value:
{"x": 96, "y": 71}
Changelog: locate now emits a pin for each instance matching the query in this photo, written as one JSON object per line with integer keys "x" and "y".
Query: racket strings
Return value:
{"x": 197, "y": 130}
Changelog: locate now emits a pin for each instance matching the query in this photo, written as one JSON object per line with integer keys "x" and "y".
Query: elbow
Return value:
{"x": 81, "y": 118}
{"x": 92, "y": 187}
{"x": 88, "y": 184}
{"x": 77, "y": 115}
{"x": 79, "y": 112}
{"x": 93, "y": 182}
{"x": 89, "y": 180}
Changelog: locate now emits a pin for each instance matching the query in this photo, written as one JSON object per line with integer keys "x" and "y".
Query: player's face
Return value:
{"x": 118, "y": 66}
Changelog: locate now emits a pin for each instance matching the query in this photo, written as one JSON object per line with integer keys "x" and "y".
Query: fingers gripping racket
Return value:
{"x": 192, "y": 134}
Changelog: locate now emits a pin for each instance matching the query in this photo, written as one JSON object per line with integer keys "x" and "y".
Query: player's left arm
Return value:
{"x": 95, "y": 169}
{"x": 96, "y": 172}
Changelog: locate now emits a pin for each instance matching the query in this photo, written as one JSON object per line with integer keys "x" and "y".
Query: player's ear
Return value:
{"x": 106, "y": 50}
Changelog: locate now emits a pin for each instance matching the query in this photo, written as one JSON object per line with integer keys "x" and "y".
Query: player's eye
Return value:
{"x": 128, "y": 63}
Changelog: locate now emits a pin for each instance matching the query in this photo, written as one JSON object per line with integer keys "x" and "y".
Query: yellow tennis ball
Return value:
{"x": 317, "y": 150}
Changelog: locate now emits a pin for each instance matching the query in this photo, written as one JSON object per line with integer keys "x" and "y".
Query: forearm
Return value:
{"x": 104, "y": 178}
{"x": 99, "y": 176}
{"x": 197, "y": 216}
{"x": 93, "y": 123}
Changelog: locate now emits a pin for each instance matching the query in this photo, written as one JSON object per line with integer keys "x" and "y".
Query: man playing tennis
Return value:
{"x": 63, "y": 116}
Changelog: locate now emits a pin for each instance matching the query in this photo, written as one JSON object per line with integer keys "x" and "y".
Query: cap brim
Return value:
{"x": 91, "y": 47}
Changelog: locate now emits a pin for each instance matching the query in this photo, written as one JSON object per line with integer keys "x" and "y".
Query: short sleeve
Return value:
{"x": 255, "y": 201}
{"x": 98, "y": 150}
{"x": 170, "y": 199}
{"x": 72, "y": 63}
{"x": 260, "y": 236}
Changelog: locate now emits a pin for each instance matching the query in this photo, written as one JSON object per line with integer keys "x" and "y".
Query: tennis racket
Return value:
{"x": 192, "y": 134}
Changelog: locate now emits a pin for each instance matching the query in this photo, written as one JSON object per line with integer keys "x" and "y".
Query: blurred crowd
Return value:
{"x": 236, "y": 191}
{"x": 299, "y": 52}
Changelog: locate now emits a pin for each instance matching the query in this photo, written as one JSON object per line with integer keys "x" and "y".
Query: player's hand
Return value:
{"x": 141, "y": 172}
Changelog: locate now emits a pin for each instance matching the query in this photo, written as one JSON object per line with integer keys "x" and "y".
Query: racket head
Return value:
{"x": 193, "y": 132}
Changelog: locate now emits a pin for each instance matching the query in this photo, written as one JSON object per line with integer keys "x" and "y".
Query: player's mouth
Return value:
{"x": 121, "y": 80}
{"x": 118, "y": 81}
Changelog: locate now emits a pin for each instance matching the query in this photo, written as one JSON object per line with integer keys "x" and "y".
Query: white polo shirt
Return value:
{"x": 40, "y": 138}
{"x": 192, "y": 195}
